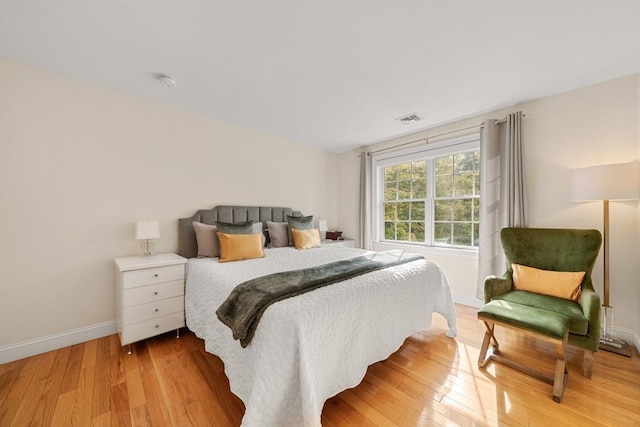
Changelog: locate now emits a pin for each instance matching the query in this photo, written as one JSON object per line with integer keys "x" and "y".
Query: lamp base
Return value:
{"x": 146, "y": 248}
{"x": 615, "y": 345}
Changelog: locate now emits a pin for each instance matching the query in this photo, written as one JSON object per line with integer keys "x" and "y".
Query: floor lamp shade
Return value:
{"x": 606, "y": 182}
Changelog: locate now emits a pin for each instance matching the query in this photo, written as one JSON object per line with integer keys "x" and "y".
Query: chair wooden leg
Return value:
{"x": 587, "y": 364}
{"x": 561, "y": 373}
{"x": 483, "y": 357}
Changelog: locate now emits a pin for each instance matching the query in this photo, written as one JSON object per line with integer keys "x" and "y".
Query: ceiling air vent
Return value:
{"x": 409, "y": 118}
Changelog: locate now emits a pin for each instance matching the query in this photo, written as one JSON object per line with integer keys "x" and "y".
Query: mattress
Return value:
{"x": 311, "y": 347}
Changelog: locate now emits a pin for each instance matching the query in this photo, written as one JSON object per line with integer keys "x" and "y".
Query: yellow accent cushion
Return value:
{"x": 306, "y": 239}
{"x": 238, "y": 247}
{"x": 561, "y": 284}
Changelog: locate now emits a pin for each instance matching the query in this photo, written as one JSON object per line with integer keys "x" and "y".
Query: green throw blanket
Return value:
{"x": 247, "y": 302}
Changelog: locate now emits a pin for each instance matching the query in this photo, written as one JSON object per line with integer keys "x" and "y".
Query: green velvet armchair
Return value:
{"x": 559, "y": 320}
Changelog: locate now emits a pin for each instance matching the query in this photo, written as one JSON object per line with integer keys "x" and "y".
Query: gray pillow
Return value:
{"x": 208, "y": 244}
{"x": 248, "y": 227}
{"x": 299, "y": 223}
{"x": 237, "y": 228}
{"x": 278, "y": 234}
{"x": 258, "y": 228}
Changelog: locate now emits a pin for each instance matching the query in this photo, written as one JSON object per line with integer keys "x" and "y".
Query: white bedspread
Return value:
{"x": 311, "y": 347}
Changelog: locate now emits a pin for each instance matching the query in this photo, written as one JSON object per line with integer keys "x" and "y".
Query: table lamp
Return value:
{"x": 147, "y": 230}
{"x": 322, "y": 227}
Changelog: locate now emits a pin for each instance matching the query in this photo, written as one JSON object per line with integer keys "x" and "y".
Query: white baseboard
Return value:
{"x": 11, "y": 352}
{"x": 636, "y": 342}
{"x": 631, "y": 337}
{"x": 467, "y": 300}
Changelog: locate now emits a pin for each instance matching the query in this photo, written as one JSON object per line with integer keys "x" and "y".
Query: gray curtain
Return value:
{"x": 365, "y": 231}
{"x": 502, "y": 191}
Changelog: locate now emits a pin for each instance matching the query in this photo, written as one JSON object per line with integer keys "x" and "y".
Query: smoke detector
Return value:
{"x": 167, "y": 80}
{"x": 409, "y": 118}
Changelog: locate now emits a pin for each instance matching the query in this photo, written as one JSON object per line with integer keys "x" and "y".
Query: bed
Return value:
{"x": 308, "y": 348}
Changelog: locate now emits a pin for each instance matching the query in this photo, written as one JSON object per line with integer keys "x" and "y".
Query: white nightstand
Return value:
{"x": 346, "y": 243}
{"x": 149, "y": 296}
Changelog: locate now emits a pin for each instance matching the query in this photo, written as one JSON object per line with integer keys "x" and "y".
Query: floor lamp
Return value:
{"x": 604, "y": 183}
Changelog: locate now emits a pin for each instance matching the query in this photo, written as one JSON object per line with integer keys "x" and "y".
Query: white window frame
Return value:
{"x": 425, "y": 152}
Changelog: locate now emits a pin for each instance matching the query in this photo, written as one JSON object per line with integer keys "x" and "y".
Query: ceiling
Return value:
{"x": 332, "y": 74}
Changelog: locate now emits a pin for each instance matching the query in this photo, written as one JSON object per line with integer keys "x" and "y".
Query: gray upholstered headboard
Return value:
{"x": 187, "y": 245}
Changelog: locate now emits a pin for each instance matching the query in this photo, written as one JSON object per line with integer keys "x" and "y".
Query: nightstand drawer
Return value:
{"x": 152, "y": 310}
{"x": 145, "y": 294}
{"x": 148, "y": 276}
{"x": 149, "y": 328}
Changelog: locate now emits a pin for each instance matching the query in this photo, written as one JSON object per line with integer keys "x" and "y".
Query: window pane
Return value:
{"x": 442, "y": 233}
{"x": 464, "y": 184}
{"x": 391, "y": 173}
{"x": 404, "y": 190}
{"x": 417, "y": 231}
{"x": 476, "y": 183}
{"x": 462, "y": 210}
{"x": 419, "y": 190}
{"x": 403, "y": 231}
{"x": 444, "y": 186}
{"x": 463, "y": 162}
{"x": 476, "y": 234}
{"x": 390, "y": 230}
{"x": 403, "y": 211}
{"x": 417, "y": 211}
{"x": 444, "y": 165}
{"x": 419, "y": 170}
{"x": 390, "y": 191}
{"x": 443, "y": 210}
{"x": 476, "y": 209}
{"x": 390, "y": 211}
{"x": 404, "y": 171}
{"x": 462, "y": 234}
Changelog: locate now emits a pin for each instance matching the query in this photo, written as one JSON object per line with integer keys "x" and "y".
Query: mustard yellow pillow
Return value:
{"x": 561, "y": 284}
{"x": 237, "y": 247}
{"x": 306, "y": 239}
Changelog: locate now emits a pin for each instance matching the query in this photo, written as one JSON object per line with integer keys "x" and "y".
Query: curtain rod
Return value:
{"x": 425, "y": 139}
{"x": 504, "y": 120}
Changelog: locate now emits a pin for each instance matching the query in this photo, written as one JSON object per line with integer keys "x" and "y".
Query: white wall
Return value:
{"x": 79, "y": 164}
{"x": 593, "y": 125}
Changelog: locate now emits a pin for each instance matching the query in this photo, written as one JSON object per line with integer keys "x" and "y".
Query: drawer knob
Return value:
{"x": 157, "y": 310}
{"x": 157, "y": 326}
{"x": 156, "y": 275}
{"x": 155, "y": 293}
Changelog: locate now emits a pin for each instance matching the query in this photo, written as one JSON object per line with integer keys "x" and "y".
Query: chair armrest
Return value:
{"x": 590, "y": 303}
{"x": 494, "y": 286}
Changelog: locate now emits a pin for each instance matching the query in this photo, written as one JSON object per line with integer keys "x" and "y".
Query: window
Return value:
{"x": 430, "y": 196}
{"x": 457, "y": 199}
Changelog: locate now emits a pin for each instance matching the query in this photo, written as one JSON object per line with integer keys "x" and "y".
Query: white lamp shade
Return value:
{"x": 322, "y": 225}
{"x": 606, "y": 182}
{"x": 147, "y": 230}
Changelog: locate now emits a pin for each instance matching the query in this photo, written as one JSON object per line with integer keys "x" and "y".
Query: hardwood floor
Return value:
{"x": 430, "y": 381}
